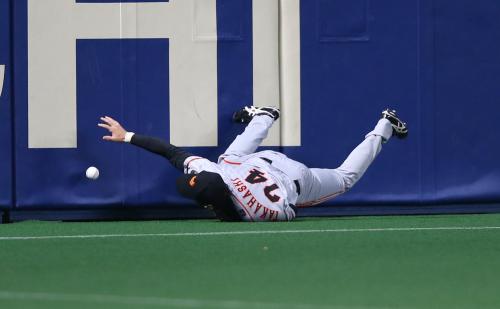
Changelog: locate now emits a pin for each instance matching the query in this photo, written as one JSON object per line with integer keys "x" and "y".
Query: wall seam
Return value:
{"x": 280, "y": 64}
{"x": 12, "y": 103}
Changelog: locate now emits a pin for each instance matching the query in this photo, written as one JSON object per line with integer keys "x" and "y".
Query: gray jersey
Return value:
{"x": 260, "y": 191}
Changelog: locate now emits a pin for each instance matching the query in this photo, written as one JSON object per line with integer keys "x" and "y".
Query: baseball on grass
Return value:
{"x": 92, "y": 173}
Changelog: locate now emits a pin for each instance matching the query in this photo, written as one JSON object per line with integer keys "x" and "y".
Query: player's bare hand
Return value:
{"x": 114, "y": 127}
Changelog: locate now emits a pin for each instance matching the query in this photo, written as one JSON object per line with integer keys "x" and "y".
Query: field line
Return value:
{"x": 158, "y": 301}
{"x": 263, "y": 232}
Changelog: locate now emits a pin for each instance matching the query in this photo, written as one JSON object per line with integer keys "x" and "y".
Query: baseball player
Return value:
{"x": 245, "y": 185}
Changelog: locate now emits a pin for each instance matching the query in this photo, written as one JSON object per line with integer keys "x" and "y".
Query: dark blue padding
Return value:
{"x": 5, "y": 109}
{"x": 434, "y": 61}
{"x": 132, "y": 86}
{"x": 398, "y": 209}
{"x": 340, "y": 20}
{"x": 180, "y": 212}
{"x": 466, "y": 106}
{"x": 234, "y": 69}
{"x": 345, "y": 86}
{"x": 110, "y": 213}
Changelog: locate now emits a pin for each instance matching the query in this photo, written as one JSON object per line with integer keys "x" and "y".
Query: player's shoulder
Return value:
{"x": 196, "y": 164}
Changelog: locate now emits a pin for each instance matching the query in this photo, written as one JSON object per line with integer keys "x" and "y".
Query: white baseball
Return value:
{"x": 92, "y": 173}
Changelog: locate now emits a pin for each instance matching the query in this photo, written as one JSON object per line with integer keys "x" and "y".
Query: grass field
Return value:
{"x": 361, "y": 262}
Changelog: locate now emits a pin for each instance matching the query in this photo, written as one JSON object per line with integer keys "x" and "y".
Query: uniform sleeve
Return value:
{"x": 177, "y": 156}
{"x": 195, "y": 165}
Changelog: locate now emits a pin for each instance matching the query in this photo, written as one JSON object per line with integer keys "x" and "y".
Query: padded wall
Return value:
{"x": 359, "y": 57}
{"x": 5, "y": 107}
{"x": 465, "y": 109}
{"x": 127, "y": 79}
{"x": 435, "y": 61}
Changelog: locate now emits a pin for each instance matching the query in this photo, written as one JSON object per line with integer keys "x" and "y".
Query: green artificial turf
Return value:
{"x": 328, "y": 263}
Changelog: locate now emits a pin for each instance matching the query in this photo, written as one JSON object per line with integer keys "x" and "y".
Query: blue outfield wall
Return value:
{"x": 435, "y": 61}
{"x": 6, "y": 163}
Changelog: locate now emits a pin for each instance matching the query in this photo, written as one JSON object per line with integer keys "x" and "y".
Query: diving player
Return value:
{"x": 245, "y": 185}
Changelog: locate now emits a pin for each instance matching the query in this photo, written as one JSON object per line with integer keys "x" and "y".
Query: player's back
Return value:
{"x": 260, "y": 190}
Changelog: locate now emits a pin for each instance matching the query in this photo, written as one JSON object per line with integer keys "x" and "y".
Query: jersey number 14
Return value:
{"x": 257, "y": 176}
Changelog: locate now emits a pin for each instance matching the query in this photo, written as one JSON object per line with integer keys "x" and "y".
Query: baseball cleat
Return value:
{"x": 399, "y": 128}
{"x": 246, "y": 114}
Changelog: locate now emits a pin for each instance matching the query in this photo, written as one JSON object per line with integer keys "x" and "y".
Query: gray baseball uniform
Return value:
{"x": 267, "y": 185}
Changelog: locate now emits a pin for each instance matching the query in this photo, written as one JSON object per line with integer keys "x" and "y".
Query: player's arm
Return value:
{"x": 174, "y": 154}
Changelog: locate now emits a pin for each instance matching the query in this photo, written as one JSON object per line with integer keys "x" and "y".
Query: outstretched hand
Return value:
{"x": 114, "y": 127}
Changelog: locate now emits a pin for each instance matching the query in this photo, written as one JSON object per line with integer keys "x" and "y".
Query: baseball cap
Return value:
{"x": 208, "y": 188}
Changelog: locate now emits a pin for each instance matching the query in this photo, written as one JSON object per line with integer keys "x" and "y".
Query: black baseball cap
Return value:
{"x": 208, "y": 188}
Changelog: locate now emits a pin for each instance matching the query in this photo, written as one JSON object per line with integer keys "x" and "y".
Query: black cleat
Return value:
{"x": 399, "y": 128}
{"x": 246, "y": 114}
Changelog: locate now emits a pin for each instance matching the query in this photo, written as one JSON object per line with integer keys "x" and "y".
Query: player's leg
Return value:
{"x": 259, "y": 122}
{"x": 323, "y": 184}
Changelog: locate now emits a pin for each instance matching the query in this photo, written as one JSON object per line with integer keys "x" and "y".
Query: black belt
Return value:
{"x": 296, "y": 182}
{"x": 267, "y": 160}
{"x": 297, "y": 186}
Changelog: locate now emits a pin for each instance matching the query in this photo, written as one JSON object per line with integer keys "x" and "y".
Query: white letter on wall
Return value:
{"x": 276, "y": 66}
{"x": 2, "y": 73}
{"x": 190, "y": 26}
{"x": 290, "y": 72}
{"x": 266, "y": 70}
